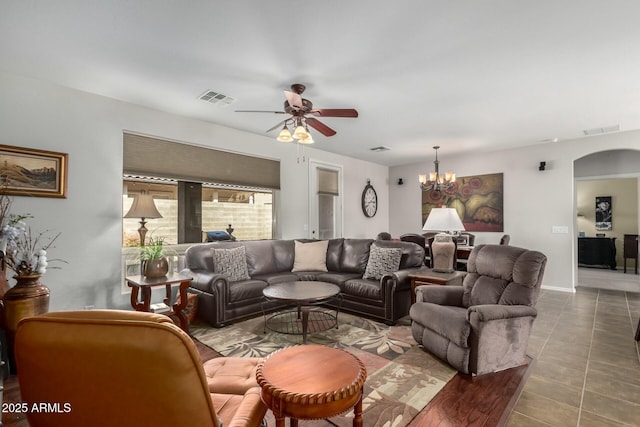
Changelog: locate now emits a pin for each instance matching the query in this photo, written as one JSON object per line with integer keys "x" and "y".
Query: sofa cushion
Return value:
{"x": 337, "y": 278}
{"x": 231, "y": 263}
{"x": 310, "y": 256}
{"x": 260, "y": 257}
{"x": 365, "y": 288}
{"x": 275, "y": 278}
{"x": 382, "y": 261}
{"x": 334, "y": 254}
{"x": 355, "y": 253}
{"x": 246, "y": 290}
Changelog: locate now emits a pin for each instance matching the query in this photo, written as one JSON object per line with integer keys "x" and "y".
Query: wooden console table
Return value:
{"x": 310, "y": 382}
{"x": 430, "y": 277}
{"x": 137, "y": 283}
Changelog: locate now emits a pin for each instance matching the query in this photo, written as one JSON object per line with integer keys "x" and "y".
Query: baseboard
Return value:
{"x": 558, "y": 288}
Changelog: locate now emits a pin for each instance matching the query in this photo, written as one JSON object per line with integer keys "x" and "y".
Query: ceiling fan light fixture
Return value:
{"x": 300, "y": 132}
{"x": 306, "y": 140}
{"x": 285, "y": 135}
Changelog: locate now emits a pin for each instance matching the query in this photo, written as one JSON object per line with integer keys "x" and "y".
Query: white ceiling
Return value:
{"x": 465, "y": 75}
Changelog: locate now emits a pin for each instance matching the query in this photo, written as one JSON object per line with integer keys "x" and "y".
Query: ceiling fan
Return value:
{"x": 302, "y": 114}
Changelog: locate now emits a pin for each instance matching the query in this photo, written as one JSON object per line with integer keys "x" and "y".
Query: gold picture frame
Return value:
{"x": 31, "y": 172}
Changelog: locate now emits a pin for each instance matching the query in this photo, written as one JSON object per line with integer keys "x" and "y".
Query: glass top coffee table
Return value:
{"x": 304, "y": 318}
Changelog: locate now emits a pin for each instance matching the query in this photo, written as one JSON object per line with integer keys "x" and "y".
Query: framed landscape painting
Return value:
{"x": 30, "y": 172}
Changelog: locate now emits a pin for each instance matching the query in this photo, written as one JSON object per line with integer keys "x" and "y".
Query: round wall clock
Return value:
{"x": 369, "y": 200}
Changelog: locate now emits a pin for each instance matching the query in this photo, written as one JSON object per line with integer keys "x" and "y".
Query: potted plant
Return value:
{"x": 153, "y": 258}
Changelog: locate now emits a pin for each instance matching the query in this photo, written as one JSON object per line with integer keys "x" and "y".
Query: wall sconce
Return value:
{"x": 400, "y": 182}
{"x": 542, "y": 166}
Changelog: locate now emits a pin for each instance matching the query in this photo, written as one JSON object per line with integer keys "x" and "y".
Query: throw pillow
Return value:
{"x": 231, "y": 263}
{"x": 382, "y": 261}
{"x": 310, "y": 256}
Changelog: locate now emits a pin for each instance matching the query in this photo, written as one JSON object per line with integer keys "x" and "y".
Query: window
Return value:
{"x": 248, "y": 211}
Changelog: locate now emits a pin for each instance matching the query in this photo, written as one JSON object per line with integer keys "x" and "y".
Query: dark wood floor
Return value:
{"x": 465, "y": 401}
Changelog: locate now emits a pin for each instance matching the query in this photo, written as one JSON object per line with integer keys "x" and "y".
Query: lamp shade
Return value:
{"x": 300, "y": 132}
{"x": 143, "y": 207}
{"x": 285, "y": 135}
{"x": 443, "y": 219}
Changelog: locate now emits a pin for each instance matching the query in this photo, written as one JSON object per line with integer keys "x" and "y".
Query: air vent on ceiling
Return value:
{"x": 217, "y": 98}
{"x": 379, "y": 149}
{"x": 599, "y": 131}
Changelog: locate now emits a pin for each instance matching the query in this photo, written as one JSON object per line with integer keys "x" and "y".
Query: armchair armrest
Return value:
{"x": 485, "y": 313}
{"x": 442, "y": 295}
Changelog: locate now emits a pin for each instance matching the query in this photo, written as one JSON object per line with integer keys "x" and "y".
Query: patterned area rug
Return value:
{"x": 401, "y": 377}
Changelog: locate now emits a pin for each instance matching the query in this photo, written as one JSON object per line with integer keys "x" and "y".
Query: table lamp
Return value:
{"x": 443, "y": 248}
{"x": 143, "y": 207}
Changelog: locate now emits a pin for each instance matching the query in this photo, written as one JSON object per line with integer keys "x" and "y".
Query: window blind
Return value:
{"x": 327, "y": 182}
{"x": 147, "y": 156}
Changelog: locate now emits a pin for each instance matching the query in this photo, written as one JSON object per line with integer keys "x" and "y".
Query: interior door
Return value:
{"x": 325, "y": 200}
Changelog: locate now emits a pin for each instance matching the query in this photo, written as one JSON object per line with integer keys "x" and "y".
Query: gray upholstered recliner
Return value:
{"x": 484, "y": 325}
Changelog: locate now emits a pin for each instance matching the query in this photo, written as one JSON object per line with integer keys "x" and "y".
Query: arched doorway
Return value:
{"x": 614, "y": 174}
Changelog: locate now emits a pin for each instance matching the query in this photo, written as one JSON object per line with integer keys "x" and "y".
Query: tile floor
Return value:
{"x": 587, "y": 367}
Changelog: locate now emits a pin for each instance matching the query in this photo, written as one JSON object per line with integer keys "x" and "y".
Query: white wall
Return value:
{"x": 89, "y": 128}
{"x": 534, "y": 200}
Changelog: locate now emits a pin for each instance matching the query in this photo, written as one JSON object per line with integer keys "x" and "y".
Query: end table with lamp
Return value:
{"x": 144, "y": 208}
{"x": 445, "y": 221}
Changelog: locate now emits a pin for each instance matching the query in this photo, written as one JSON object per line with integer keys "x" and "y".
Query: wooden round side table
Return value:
{"x": 312, "y": 382}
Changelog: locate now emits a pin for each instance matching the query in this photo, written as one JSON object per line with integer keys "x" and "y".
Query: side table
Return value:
{"x": 144, "y": 284}
{"x": 312, "y": 382}
{"x": 430, "y": 277}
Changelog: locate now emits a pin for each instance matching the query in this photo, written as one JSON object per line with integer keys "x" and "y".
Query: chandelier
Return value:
{"x": 436, "y": 181}
{"x": 300, "y": 131}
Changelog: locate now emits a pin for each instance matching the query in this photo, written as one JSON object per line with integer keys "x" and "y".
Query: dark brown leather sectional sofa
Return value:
{"x": 270, "y": 261}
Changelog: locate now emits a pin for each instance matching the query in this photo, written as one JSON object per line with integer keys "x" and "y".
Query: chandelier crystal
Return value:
{"x": 437, "y": 182}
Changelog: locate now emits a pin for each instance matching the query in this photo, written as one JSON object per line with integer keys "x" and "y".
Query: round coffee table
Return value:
{"x": 312, "y": 382}
{"x": 303, "y": 295}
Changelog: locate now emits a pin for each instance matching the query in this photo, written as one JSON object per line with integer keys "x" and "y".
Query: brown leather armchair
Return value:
{"x": 123, "y": 368}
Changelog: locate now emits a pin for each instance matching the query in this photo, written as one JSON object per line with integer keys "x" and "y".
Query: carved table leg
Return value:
{"x": 357, "y": 412}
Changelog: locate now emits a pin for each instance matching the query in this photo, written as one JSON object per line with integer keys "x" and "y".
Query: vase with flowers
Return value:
{"x": 25, "y": 253}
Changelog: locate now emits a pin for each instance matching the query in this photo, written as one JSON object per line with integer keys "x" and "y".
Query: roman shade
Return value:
{"x": 147, "y": 156}
{"x": 327, "y": 182}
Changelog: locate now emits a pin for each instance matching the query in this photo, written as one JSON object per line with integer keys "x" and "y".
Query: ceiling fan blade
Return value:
{"x": 260, "y": 111}
{"x": 320, "y": 127}
{"x": 336, "y": 112}
{"x": 276, "y": 126}
{"x": 295, "y": 100}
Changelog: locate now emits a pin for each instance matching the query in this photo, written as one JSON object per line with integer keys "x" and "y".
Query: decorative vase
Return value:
{"x": 29, "y": 297}
{"x": 153, "y": 268}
